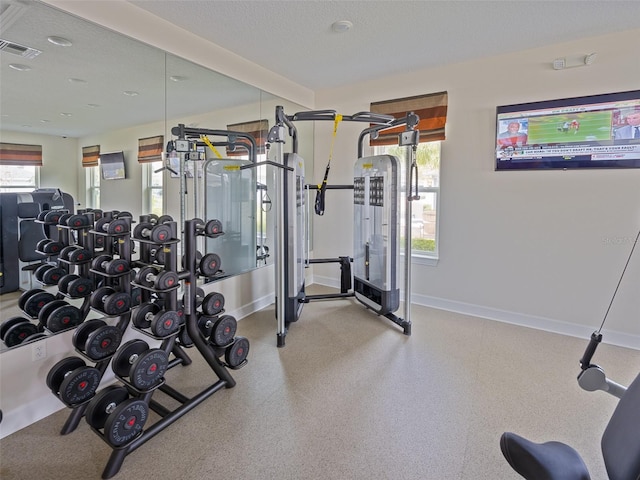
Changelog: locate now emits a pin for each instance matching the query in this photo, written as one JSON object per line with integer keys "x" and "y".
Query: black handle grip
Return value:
{"x": 585, "y": 361}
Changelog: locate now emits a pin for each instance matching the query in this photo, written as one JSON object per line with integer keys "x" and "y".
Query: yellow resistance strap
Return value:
{"x": 319, "y": 205}
{"x": 205, "y": 139}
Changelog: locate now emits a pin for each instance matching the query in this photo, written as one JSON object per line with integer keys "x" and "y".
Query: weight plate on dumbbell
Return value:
{"x": 165, "y": 323}
{"x": 16, "y": 334}
{"x": 40, "y": 271}
{"x": 205, "y": 324}
{"x": 184, "y": 260}
{"x": 43, "y": 314}
{"x": 52, "y": 216}
{"x": 97, "y": 297}
{"x": 210, "y": 264}
{"x": 224, "y": 329}
{"x": 53, "y": 275}
{"x": 64, "y": 282}
{"x": 136, "y": 296}
{"x": 166, "y": 280}
{"x": 59, "y": 370}
{"x": 82, "y": 332}
{"x": 139, "y": 230}
{"x": 184, "y": 338}
{"x": 52, "y": 248}
{"x": 77, "y": 221}
{"x": 237, "y": 352}
{"x": 98, "y": 241}
{"x": 117, "y": 303}
{"x": 34, "y": 303}
{"x": 26, "y": 295}
{"x": 97, "y": 263}
{"x": 103, "y": 342}
{"x": 126, "y": 422}
{"x": 10, "y": 322}
{"x": 80, "y": 255}
{"x": 160, "y": 255}
{"x": 104, "y": 402}
{"x": 79, "y": 385}
{"x": 213, "y": 303}
{"x": 41, "y": 215}
{"x": 124, "y": 214}
{"x": 64, "y": 317}
{"x": 66, "y": 251}
{"x": 213, "y": 227}
{"x": 63, "y": 218}
{"x": 160, "y": 233}
{"x": 142, "y": 315}
{"x": 164, "y": 219}
{"x": 41, "y": 243}
{"x": 100, "y": 224}
{"x": 80, "y": 287}
{"x": 149, "y": 369}
{"x": 126, "y": 355}
{"x": 117, "y": 266}
{"x": 118, "y": 226}
{"x": 141, "y": 276}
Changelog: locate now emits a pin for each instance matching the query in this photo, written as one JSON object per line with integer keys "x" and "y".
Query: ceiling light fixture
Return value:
{"x": 77, "y": 80}
{"x": 559, "y": 64}
{"x": 177, "y": 78}
{"x": 92, "y": 105}
{"x": 65, "y": 114}
{"x": 341, "y": 26}
{"x": 131, "y": 93}
{"x": 60, "y": 41}
{"x": 589, "y": 59}
{"x": 20, "y": 67}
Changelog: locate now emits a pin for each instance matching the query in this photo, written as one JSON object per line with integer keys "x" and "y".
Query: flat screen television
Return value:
{"x": 112, "y": 165}
{"x": 597, "y": 131}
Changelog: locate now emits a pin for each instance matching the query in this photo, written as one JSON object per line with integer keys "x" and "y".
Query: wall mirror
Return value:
{"x": 67, "y": 83}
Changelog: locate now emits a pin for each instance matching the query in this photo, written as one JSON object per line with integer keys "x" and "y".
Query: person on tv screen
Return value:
{"x": 512, "y": 136}
{"x": 630, "y": 131}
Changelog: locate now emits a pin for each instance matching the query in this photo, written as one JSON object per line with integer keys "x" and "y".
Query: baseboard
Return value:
{"x": 612, "y": 337}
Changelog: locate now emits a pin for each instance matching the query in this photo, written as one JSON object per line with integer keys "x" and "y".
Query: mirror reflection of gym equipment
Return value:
{"x": 375, "y": 196}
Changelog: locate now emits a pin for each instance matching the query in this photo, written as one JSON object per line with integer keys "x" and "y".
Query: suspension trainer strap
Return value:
{"x": 205, "y": 139}
{"x": 319, "y": 205}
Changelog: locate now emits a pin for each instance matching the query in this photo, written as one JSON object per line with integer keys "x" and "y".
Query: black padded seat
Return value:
{"x": 556, "y": 461}
{"x": 542, "y": 461}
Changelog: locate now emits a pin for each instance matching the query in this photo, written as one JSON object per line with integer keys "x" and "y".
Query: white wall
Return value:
{"x": 541, "y": 248}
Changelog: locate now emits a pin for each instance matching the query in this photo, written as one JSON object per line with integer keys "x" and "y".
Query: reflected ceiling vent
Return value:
{"x": 17, "y": 49}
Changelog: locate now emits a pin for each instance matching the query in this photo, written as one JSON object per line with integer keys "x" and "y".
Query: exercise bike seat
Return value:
{"x": 542, "y": 461}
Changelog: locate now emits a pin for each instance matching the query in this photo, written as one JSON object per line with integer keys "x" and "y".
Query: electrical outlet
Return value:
{"x": 38, "y": 351}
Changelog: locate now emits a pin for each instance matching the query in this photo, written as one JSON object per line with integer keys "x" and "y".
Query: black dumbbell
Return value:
{"x": 78, "y": 221}
{"x": 49, "y": 274}
{"x": 115, "y": 226}
{"x": 184, "y": 338}
{"x": 49, "y": 246}
{"x": 162, "y": 323}
{"x": 164, "y": 219}
{"x": 16, "y": 330}
{"x": 79, "y": 255}
{"x": 75, "y": 286}
{"x": 110, "y": 265}
{"x": 223, "y": 331}
{"x": 145, "y": 367}
{"x": 45, "y": 311}
{"x": 213, "y": 303}
{"x": 107, "y": 300}
{"x": 73, "y": 381}
{"x": 66, "y": 251}
{"x": 210, "y": 264}
{"x": 97, "y": 339}
{"x": 53, "y": 216}
{"x": 211, "y": 228}
{"x": 32, "y": 301}
{"x": 63, "y": 317}
{"x": 235, "y": 355}
{"x": 63, "y": 218}
{"x": 160, "y": 233}
{"x": 149, "y": 277}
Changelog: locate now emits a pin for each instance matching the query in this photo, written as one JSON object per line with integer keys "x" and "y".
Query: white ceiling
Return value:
{"x": 294, "y": 37}
{"x": 291, "y": 38}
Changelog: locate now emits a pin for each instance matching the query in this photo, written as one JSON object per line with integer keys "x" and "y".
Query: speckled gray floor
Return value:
{"x": 351, "y": 397}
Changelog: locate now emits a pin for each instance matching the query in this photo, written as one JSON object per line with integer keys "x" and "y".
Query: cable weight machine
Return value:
{"x": 375, "y": 188}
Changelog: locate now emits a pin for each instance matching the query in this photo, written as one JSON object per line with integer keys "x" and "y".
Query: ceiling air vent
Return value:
{"x": 17, "y": 49}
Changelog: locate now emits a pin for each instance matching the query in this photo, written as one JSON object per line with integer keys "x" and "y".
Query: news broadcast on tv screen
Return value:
{"x": 599, "y": 131}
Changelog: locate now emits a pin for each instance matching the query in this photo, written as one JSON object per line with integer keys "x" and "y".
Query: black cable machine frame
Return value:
{"x": 290, "y": 284}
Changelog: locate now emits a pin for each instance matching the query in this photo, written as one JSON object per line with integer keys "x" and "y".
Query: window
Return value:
{"x": 153, "y": 188}
{"x": 19, "y": 178}
{"x": 424, "y": 224}
{"x": 93, "y": 187}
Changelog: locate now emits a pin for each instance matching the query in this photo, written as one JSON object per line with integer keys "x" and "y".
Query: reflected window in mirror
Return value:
{"x": 93, "y": 186}
{"x": 19, "y": 178}
{"x": 153, "y": 183}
